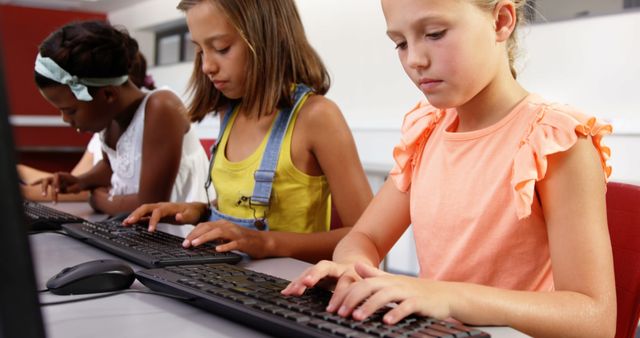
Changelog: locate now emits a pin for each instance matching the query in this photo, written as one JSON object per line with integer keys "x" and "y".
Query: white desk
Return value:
{"x": 141, "y": 315}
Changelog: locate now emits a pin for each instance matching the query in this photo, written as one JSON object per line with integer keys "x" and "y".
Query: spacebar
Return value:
{"x": 192, "y": 259}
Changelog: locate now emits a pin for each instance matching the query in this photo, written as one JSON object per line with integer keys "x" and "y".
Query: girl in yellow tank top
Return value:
{"x": 249, "y": 57}
{"x": 299, "y": 202}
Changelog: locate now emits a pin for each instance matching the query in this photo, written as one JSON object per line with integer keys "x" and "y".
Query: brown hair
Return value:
{"x": 512, "y": 43}
{"x": 280, "y": 56}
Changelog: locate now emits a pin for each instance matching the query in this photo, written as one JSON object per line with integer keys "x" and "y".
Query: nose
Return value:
{"x": 417, "y": 57}
{"x": 209, "y": 65}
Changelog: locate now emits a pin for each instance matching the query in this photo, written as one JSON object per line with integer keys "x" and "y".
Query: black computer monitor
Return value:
{"x": 20, "y": 314}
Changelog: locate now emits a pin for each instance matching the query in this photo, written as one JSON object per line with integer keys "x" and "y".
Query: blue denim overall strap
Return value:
{"x": 267, "y": 170}
{"x": 265, "y": 174}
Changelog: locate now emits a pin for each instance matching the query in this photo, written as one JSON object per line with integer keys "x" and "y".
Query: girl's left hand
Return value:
{"x": 378, "y": 288}
{"x": 252, "y": 242}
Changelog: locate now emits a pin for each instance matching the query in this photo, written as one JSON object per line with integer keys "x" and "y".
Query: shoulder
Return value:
{"x": 419, "y": 122}
{"x": 559, "y": 115}
{"x": 318, "y": 112}
{"x": 164, "y": 110}
{"x": 164, "y": 100}
{"x": 562, "y": 125}
{"x": 421, "y": 112}
{"x": 558, "y": 131}
{"x": 417, "y": 125}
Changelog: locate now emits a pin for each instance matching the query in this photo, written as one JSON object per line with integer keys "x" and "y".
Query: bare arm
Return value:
{"x": 380, "y": 226}
{"x": 323, "y": 134}
{"x": 583, "y": 303}
{"x": 29, "y": 174}
{"x": 85, "y": 164}
{"x": 98, "y": 176}
{"x": 165, "y": 126}
{"x": 164, "y": 129}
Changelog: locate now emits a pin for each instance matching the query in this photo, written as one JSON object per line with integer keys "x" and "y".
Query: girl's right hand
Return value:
{"x": 176, "y": 213}
{"x": 322, "y": 274}
{"x": 60, "y": 183}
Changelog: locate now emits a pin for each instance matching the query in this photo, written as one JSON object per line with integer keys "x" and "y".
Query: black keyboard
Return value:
{"x": 41, "y": 217}
{"x": 253, "y": 299}
{"x": 148, "y": 249}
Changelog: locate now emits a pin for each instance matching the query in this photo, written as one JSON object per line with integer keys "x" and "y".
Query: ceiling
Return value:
{"x": 102, "y": 6}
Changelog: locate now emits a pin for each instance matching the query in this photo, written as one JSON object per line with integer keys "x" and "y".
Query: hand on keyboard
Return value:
{"x": 325, "y": 274}
{"x": 413, "y": 295}
{"x": 371, "y": 289}
{"x": 174, "y": 213}
{"x": 252, "y": 242}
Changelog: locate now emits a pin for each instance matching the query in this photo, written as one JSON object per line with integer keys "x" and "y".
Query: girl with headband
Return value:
{"x": 151, "y": 154}
{"x": 93, "y": 153}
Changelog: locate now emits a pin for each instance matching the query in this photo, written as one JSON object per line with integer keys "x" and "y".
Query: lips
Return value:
{"x": 428, "y": 84}
{"x": 219, "y": 84}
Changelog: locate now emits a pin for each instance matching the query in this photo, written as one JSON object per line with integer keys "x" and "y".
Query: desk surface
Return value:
{"x": 135, "y": 314}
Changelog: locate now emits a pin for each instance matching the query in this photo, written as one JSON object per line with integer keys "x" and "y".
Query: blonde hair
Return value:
{"x": 512, "y": 43}
{"x": 280, "y": 57}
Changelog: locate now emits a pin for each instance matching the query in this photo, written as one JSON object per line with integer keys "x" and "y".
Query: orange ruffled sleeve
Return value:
{"x": 416, "y": 128}
{"x": 555, "y": 129}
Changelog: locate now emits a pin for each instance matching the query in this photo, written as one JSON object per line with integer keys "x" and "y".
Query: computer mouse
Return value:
{"x": 91, "y": 277}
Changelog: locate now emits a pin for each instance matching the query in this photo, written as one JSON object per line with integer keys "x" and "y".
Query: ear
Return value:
{"x": 109, "y": 94}
{"x": 505, "y": 19}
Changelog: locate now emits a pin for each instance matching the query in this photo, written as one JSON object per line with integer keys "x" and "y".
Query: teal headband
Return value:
{"x": 48, "y": 68}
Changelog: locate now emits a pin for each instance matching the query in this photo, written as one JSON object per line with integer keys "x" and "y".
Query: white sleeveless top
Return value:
{"x": 95, "y": 148}
{"x": 126, "y": 162}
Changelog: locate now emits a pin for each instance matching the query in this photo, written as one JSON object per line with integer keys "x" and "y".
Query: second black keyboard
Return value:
{"x": 148, "y": 249}
{"x": 253, "y": 299}
{"x": 41, "y": 217}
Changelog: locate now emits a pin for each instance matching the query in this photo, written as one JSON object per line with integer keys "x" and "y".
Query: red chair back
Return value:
{"x": 623, "y": 214}
{"x": 206, "y": 144}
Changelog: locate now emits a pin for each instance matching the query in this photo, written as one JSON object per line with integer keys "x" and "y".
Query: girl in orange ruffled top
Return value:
{"x": 505, "y": 191}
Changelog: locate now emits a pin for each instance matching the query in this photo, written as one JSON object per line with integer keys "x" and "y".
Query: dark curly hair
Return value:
{"x": 89, "y": 49}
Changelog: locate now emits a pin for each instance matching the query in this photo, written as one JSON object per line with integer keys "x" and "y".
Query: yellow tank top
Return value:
{"x": 299, "y": 202}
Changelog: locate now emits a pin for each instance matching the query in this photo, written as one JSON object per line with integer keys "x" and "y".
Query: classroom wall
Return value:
{"x": 590, "y": 63}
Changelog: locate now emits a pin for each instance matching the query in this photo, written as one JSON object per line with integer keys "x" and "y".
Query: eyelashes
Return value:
{"x": 430, "y": 36}
{"x": 436, "y": 35}
{"x": 223, "y": 50}
{"x": 401, "y": 45}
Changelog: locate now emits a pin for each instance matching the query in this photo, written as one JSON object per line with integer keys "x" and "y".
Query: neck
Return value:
{"x": 253, "y": 113}
{"x": 129, "y": 101}
{"x": 491, "y": 104}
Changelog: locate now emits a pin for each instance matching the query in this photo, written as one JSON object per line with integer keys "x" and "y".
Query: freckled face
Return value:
{"x": 446, "y": 47}
{"x": 220, "y": 47}
{"x": 90, "y": 116}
